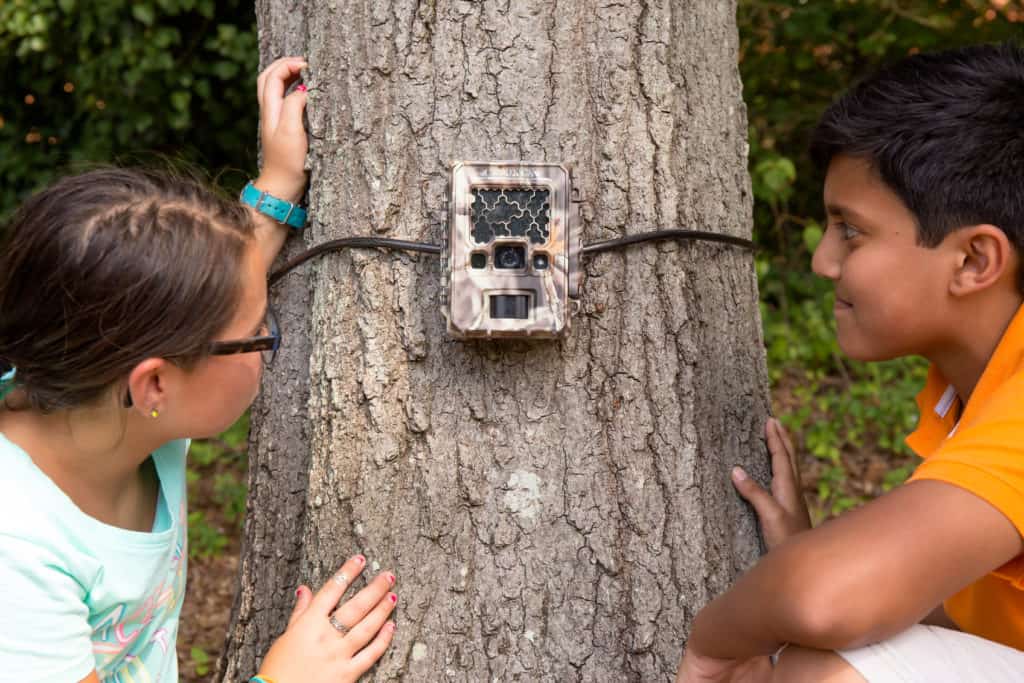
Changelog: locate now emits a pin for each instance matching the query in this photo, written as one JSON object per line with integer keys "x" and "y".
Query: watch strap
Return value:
{"x": 280, "y": 210}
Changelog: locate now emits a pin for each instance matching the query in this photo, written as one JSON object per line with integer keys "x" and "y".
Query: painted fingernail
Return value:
{"x": 391, "y": 579}
{"x": 298, "y": 592}
{"x": 360, "y": 559}
{"x": 393, "y": 597}
{"x": 393, "y": 625}
{"x": 301, "y": 87}
{"x": 738, "y": 474}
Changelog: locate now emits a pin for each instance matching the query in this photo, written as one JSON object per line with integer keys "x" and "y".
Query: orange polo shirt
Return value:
{"x": 984, "y": 454}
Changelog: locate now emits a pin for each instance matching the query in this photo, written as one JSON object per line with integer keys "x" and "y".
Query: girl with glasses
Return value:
{"x": 134, "y": 317}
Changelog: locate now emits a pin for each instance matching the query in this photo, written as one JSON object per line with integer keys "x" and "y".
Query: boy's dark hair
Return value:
{"x": 107, "y": 268}
{"x": 945, "y": 132}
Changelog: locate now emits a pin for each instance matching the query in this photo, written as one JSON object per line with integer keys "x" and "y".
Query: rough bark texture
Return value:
{"x": 554, "y": 511}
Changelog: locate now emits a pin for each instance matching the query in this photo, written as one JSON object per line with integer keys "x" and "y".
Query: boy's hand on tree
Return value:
{"x": 782, "y": 512}
{"x": 326, "y": 641}
{"x": 697, "y": 668}
{"x": 282, "y": 132}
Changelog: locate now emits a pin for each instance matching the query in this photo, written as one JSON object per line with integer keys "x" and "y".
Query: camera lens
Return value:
{"x": 510, "y": 256}
{"x": 540, "y": 261}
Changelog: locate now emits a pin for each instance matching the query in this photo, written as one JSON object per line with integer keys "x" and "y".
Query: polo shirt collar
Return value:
{"x": 935, "y": 401}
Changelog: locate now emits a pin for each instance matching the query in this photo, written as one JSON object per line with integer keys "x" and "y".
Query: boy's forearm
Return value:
{"x": 746, "y": 621}
{"x": 861, "y": 578}
{"x": 778, "y": 601}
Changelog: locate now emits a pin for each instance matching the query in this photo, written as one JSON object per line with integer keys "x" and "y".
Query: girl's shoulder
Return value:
{"x": 34, "y": 509}
{"x": 39, "y": 532}
{"x": 27, "y": 496}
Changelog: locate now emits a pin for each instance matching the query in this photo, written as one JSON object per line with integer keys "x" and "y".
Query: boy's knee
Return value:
{"x": 802, "y": 665}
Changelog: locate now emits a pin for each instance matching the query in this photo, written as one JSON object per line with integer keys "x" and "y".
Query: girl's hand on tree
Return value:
{"x": 326, "y": 641}
{"x": 282, "y": 132}
{"x": 783, "y": 512}
{"x": 697, "y": 668}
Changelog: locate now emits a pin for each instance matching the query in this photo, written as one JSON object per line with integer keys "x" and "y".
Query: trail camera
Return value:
{"x": 511, "y": 250}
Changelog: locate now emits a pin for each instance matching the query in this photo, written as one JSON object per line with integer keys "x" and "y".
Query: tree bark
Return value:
{"x": 554, "y": 511}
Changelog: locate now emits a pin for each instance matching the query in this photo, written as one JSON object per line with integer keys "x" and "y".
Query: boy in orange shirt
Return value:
{"x": 925, "y": 205}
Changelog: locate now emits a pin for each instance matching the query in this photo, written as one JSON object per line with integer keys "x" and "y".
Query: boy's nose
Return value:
{"x": 825, "y": 262}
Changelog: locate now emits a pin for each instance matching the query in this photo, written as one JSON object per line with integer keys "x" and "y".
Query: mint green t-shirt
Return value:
{"x": 77, "y": 594}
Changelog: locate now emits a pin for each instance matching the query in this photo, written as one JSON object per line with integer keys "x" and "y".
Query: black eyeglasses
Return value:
{"x": 267, "y": 344}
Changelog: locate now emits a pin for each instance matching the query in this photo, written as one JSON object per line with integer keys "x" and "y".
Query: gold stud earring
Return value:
{"x": 154, "y": 413}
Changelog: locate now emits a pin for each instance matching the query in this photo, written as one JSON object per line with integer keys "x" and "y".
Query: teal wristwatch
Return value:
{"x": 281, "y": 211}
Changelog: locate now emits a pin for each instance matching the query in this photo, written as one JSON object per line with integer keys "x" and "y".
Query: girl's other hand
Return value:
{"x": 783, "y": 512}
{"x": 282, "y": 132}
{"x": 325, "y": 641}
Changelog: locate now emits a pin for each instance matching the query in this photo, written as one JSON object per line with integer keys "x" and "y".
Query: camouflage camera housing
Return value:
{"x": 511, "y": 248}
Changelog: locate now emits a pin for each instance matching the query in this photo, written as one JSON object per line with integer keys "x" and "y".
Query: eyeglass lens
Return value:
{"x": 272, "y": 330}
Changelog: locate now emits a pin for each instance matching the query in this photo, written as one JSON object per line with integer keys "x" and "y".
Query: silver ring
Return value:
{"x": 338, "y": 626}
{"x": 340, "y": 578}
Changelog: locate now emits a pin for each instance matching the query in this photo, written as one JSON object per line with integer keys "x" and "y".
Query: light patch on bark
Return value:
{"x": 523, "y": 498}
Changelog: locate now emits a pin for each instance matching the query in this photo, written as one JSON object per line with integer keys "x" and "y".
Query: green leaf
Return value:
{"x": 144, "y": 13}
{"x": 812, "y": 235}
{"x": 773, "y": 178}
{"x": 200, "y": 660}
{"x": 166, "y": 37}
{"x": 143, "y": 123}
{"x": 225, "y": 70}
{"x": 180, "y": 99}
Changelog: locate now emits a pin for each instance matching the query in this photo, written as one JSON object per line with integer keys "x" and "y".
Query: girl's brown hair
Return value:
{"x": 107, "y": 268}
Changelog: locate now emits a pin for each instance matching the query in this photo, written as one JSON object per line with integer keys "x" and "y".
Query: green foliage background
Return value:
{"x": 112, "y": 79}
{"x": 97, "y": 80}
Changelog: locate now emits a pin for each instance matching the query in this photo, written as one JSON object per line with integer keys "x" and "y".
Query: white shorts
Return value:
{"x": 930, "y": 654}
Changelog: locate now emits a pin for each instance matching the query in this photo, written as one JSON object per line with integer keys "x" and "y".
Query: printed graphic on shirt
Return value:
{"x": 126, "y": 646}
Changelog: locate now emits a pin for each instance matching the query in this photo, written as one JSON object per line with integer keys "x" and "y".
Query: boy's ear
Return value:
{"x": 147, "y": 386}
{"x": 984, "y": 257}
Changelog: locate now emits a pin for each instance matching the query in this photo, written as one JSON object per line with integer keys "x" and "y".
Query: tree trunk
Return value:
{"x": 554, "y": 511}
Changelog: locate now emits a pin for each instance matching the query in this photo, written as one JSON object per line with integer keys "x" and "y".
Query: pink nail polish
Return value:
{"x": 391, "y": 579}
{"x": 360, "y": 559}
{"x": 301, "y": 87}
{"x": 298, "y": 592}
{"x": 394, "y": 626}
{"x": 394, "y": 598}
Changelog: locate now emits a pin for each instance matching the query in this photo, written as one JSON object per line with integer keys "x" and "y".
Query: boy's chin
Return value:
{"x": 863, "y": 352}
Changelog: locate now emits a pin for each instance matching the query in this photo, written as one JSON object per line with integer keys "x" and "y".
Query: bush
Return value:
{"x": 97, "y": 81}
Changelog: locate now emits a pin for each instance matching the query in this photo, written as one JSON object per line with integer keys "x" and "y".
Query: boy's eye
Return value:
{"x": 846, "y": 231}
